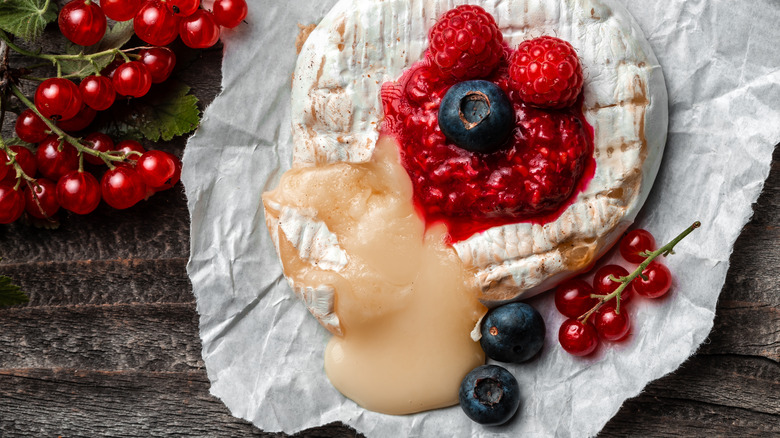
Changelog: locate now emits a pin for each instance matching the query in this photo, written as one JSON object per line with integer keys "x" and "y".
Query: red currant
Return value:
{"x": 5, "y": 168}
{"x": 30, "y": 127}
{"x": 82, "y": 22}
{"x": 11, "y": 204}
{"x": 572, "y": 298}
{"x": 128, "y": 146}
{"x": 121, "y": 10}
{"x": 635, "y": 242}
{"x": 155, "y": 168}
{"x": 80, "y": 121}
{"x": 604, "y": 286}
{"x": 610, "y": 325}
{"x": 155, "y": 24}
{"x": 78, "y": 192}
{"x": 132, "y": 79}
{"x": 99, "y": 142}
{"x": 26, "y": 160}
{"x": 199, "y": 30}
{"x": 97, "y": 92}
{"x": 182, "y": 8}
{"x": 122, "y": 187}
{"x": 56, "y": 158}
{"x": 658, "y": 283}
{"x": 58, "y": 99}
{"x": 230, "y": 13}
{"x": 174, "y": 178}
{"x": 577, "y": 338}
{"x": 41, "y": 201}
{"x": 159, "y": 61}
{"x": 111, "y": 68}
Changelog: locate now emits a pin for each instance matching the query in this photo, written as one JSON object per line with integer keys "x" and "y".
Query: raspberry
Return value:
{"x": 546, "y": 72}
{"x": 466, "y": 43}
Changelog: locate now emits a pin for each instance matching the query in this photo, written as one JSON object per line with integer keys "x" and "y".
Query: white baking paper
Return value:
{"x": 264, "y": 352}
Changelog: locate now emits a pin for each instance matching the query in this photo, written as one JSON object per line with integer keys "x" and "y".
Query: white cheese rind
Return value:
{"x": 336, "y": 113}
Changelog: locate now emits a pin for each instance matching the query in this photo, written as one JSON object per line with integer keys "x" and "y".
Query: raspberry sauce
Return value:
{"x": 546, "y": 162}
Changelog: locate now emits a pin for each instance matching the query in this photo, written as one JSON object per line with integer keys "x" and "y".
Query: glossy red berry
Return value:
{"x": 199, "y": 30}
{"x": 635, "y": 242}
{"x": 610, "y": 325}
{"x": 26, "y": 161}
{"x": 604, "y": 286}
{"x": 30, "y": 127}
{"x": 182, "y": 8}
{"x": 546, "y": 72}
{"x": 5, "y": 168}
{"x": 111, "y": 68}
{"x": 121, "y": 10}
{"x": 97, "y": 92}
{"x": 78, "y": 192}
{"x": 155, "y": 24}
{"x": 11, "y": 203}
{"x": 156, "y": 168}
{"x": 572, "y": 298}
{"x": 230, "y": 13}
{"x": 41, "y": 200}
{"x": 174, "y": 178}
{"x": 578, "y": 339}
{"x": 80, "y": 121}
{"x": 99, "y": 142}
{"x": 122, "y": 187}
{"x": 658, "y": 283}
{"x": 159, "y": 61}
{"x": 58, "y": 99}
{"x": 128, "y": 146}
{"x": 132, "y": 79}
{"x": 82, "y": 22}
{"x": 56, "y": 158}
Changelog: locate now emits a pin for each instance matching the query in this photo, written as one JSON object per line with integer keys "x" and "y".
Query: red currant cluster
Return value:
{"x": 598, "y": 311}
{"x": 158, "y": 22}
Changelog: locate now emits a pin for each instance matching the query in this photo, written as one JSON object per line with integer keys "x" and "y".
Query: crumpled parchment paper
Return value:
{"x": 264, "y": 352}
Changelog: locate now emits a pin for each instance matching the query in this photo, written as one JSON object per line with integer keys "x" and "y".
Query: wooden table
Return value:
{"x": 109, "y": 346}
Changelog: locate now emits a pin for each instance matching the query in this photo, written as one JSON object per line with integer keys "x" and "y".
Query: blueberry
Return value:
{"x": 477, "y": 116}
{"x": 512, "y": 333}
{"x": 489, "y": 395}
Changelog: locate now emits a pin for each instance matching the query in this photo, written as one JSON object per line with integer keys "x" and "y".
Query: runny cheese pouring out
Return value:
{"x": 402, "y": 294}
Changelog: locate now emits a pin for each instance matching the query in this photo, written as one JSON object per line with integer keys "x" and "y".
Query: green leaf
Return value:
{"x": 11, "y": 294}
{"x": 26, "y": 18}
{"x": 165, "y": 112}
{"x": 115, "y": 38}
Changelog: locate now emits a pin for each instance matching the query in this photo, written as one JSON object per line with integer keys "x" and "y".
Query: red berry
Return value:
{"x": 5, "y": 168}
{"x": 230, "y": 13}
{"x": 26, "y": 161}
{"x": 155, "y": 24}
{"x": 466, "y": 43}
{"x": 577, "y": 338}
{"x": 97, "y": 92}
{"x": 199, "y": 30}
{"x": 128, "y": 146}
{"x": 546, "y": 72}
{"x": 159, "y": 61}
{"x": 80, "y": 121}
{"x": 610, "y": 325}
{"x": 56, "y": 158}
{"x": 111, "y": 68}
{"x": 82, "y": 22}
{"x": 121, "y": 10}
{"x": 58, "y": 99}
{"x": 658, "y": 283}
{"x": 174, "y": 178}
{"x": 572, "y": 298}
{"x": 635, "y": 242}
{"x": 99, "y": 142}
{"x": 132, "y": 79}
{"x": 122, "y": 187}
{"x": 78, "y": 192}
{"x": 30, "y": 127}
{"x": 604, "y": 286}
{"x": 156, "y": 168}
{"x": 182, "y": 8}
{"x": 41, "y": 201}
{"x": 11, "y": 203}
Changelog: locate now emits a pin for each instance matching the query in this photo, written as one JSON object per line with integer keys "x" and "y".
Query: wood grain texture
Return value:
{"x": 109, "y": 346}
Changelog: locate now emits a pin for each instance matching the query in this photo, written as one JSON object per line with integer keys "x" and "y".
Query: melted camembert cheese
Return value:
{"x": 405, "y": 303}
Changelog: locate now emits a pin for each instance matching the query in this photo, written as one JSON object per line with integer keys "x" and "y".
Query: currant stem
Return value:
{"x": 625, "y": 281}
